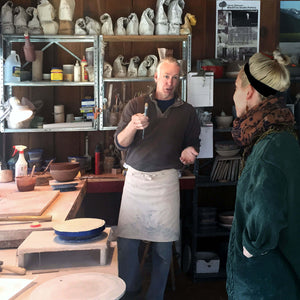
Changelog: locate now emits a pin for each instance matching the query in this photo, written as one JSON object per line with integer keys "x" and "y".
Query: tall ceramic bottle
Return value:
{"x": 28, "y": 49}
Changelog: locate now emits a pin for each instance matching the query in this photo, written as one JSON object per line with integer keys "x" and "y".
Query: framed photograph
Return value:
{"x": 289, "y": 21}
{"x": 289, "y": 38}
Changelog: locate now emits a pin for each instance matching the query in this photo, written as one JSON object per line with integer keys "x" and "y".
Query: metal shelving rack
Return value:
{"x": 6, "y": 89}
{"x": 195, "y": 232}
{"x": 185, "y": 40}
{"x": 99, "y": 82}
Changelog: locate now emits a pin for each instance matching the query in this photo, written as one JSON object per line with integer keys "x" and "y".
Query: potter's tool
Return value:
{"x": 110, "y": 90}
{"x": 50, "y": 162}
{"x": 44, "y": 271}
{"x": 13, "y": 269}
{"x": 32, "y": 171}
{"x": 86, "y": 155}
{"x": 145, "y": 113}
{"x": 26, "y": 218}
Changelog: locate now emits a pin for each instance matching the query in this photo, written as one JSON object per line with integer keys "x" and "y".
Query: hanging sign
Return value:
{"x": 237, "y": 29}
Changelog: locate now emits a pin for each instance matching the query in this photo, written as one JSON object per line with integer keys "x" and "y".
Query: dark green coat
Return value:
{"x": 267, "y": 223}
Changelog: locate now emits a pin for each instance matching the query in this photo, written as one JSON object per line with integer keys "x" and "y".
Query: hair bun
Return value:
{"x": 281, "y": 58}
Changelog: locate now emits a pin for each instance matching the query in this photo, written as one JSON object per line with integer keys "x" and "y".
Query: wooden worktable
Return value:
{"x": 64, "y": 207}
{"x": 40, "y": 276}
{"x": 67, "y": 204}
{"x": 109, "y": 183}
{"x": 12, "y": 234}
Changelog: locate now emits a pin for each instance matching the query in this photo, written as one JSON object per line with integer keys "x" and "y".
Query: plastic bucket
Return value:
{"x": 12, "y": 68}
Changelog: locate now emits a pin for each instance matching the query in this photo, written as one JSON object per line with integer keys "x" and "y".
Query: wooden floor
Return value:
{"x": 186, "y": 289}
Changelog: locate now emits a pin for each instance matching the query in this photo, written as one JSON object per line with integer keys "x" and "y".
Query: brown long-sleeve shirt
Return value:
{"x": 167, "y": 135}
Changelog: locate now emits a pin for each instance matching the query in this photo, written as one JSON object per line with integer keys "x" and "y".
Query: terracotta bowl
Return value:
{"x": 64, "y": 175}
{"x": 64, "y": 166}
{"x": 25, "y": 183}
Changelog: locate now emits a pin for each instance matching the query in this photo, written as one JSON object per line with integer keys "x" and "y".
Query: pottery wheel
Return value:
{"x": 81, "y": 228}
{"x": 81, "y": 286}
{"x": 79, "y": 225}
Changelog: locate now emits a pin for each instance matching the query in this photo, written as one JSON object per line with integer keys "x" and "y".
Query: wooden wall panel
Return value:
{"x": 269, "y": 27}
{"x": 60, "y": 145}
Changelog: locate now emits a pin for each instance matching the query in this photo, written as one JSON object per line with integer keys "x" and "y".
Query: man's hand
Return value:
{"x": 139, "y": 121}
{"x": 188, "y": 155}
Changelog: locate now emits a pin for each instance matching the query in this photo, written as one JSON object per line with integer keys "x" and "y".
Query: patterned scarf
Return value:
{"x": 268, "y": 116}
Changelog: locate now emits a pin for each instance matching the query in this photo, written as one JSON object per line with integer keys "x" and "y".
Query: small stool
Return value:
{"x": 172, "y": 273}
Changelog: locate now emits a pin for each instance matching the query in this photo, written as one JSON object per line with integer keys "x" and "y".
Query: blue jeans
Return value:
{"x": 129, "y": 266}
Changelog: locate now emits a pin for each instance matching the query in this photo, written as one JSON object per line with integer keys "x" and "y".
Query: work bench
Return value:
{"x": 104, "y": 193}
{"x": 46, "y": 266}
{"x": 66, "y": 206}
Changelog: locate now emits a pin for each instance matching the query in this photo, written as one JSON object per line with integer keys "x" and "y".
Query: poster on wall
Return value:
{"x": 237, "y": 29}
{"x": 289, "y": 37}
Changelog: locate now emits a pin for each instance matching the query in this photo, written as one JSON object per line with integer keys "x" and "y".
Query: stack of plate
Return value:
{"x": 227, "y": 148}
{"x": 226, "y": 218}
{"x": 63, "y": 186}
{"x": 207, "y": 216}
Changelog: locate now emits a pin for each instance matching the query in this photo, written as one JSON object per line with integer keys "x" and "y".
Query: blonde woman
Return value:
{"x": 263, "y": 254}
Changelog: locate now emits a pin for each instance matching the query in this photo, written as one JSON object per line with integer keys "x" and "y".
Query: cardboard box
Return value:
{"x": 207, "y": 262}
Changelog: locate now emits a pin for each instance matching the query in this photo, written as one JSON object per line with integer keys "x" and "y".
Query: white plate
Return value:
{"x": 226, "y": 217}
{"x": 225, "y": 225}
{"x": 81, "y": 286}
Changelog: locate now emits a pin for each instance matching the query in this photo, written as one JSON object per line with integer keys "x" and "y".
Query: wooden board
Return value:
{"x": 32, "y": 203}
{"x": 11, "y": 287}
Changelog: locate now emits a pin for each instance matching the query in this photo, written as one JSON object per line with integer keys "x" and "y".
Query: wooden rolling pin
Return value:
{"x": 26, "y": 218}
{"x": 14, "y": 269}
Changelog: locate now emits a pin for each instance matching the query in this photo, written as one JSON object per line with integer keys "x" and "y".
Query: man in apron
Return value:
{"x": 159, "y": 133}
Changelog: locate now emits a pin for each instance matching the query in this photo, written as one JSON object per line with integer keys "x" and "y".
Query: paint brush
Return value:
{"x": 145, "y": 113}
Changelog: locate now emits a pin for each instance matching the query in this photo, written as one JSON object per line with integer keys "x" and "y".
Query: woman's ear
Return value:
{"x": 250, "y": 92}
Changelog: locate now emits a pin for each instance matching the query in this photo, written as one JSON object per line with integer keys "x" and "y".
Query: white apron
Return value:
{"x": 150, "y": 206}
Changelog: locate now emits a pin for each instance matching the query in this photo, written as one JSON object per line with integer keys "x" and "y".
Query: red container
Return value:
{"x": 97, "y": 160}
{"x": 218, "y": 70}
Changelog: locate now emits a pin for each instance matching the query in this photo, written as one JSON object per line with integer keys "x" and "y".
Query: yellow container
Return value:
{"x": 56, "y": 74}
